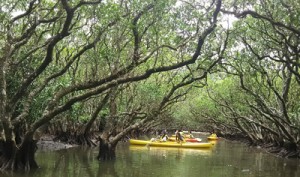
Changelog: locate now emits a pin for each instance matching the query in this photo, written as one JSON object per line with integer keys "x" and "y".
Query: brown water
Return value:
{"x": 225, "y": 159}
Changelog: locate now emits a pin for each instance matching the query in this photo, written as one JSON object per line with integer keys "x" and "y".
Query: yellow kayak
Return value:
{"x": 170, "y": 144}
{"x": 212, "y": 137}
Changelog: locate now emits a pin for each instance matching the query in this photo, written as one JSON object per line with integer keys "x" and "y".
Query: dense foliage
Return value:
{"x": 254, "y": 95}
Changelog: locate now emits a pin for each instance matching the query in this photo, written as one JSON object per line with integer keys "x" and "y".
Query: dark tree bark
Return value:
{"x": 18, "y": 158}
{"x": 84, "y": 138}
{"x": 107, "y": 150}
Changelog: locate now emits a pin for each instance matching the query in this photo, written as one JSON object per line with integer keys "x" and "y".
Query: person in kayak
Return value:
{"x": 190, "y": 134}
{"x": 179, "y": 137}
{"x": 164, "y": 137}
{"x": 157, "y": 138}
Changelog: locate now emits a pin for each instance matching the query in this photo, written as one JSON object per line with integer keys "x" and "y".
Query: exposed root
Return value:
{"x": 106, "y": 151}
{"x": 85, "y": 140}
{"x": 14, "y": 159}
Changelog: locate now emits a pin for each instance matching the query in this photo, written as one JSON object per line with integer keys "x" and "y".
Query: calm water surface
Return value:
{"x": 225, "y": 159}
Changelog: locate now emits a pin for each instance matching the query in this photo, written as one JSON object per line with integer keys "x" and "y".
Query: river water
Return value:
{"x": 225, "y": 159}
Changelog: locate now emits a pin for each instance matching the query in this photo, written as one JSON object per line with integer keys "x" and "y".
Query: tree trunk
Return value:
{"x": 18, "y": 158}
{"x": 107, "y": 151}
{"x": 85, "y": 140}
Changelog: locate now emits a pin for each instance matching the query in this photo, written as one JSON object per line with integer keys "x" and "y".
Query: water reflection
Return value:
{"x": 214, "y": 142}
{"x": 164, "y": 151}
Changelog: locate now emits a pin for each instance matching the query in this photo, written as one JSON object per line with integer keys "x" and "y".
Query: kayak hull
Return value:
{"x": 186, "y": 139}
{"x": 212, "y": 138}
{"x": 194, "y": 140}
{"x": 170, "y": 144}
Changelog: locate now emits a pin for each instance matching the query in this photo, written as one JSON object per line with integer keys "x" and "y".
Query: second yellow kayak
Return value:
{"x": 212, "y": 137}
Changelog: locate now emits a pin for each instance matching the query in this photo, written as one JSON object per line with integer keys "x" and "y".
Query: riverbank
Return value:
{"x": 46, "y": 143}
{"x": 285, "y": 151}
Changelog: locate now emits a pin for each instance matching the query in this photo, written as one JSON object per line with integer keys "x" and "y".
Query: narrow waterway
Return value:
{"x": 225, "y": 159}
